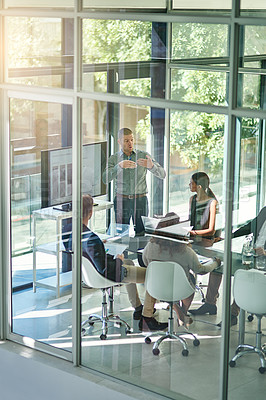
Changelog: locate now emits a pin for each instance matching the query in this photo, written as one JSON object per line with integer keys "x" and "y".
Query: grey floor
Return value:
{"x": 45, "y": 318}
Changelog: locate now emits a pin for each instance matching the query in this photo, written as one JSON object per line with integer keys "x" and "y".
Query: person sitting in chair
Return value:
{"x": 257, "y": 226}
{"x": 116, "y": 269}
{"x": 159, "y": 249}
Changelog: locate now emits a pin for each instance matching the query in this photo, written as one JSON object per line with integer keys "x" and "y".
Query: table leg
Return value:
{"x": 241, "y": 333}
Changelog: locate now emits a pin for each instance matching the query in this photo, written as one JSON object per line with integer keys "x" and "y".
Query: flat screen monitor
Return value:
{"x": 56, "y": 173}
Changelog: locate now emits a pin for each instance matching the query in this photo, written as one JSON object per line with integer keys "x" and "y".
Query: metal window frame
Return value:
{"x": 77, "y": 95}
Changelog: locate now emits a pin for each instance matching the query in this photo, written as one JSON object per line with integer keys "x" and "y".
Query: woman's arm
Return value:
{"x": 211, "y": 229}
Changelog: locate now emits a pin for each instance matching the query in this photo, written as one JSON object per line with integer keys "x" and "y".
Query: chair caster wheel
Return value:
{"x": 148, "y": 340}
{"x": 232, "y": 364}
{"x": 203, "y": 300}
{"x": 127, "y": 331}
{"x": 91, "y": 323}
{"x": 103, "y": 337}
{"x": 185, "y": 353}
{"x": 250, "y": 318}
{"x": 156, "y": 352}
{"x": 196, "y": 342}
{"x": 83, "y": 332}
{"x": 262, "y": 370}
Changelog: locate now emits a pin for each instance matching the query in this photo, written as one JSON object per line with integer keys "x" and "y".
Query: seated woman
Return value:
{"x": 159, "y": 249}
{"x": 203, "y": 207}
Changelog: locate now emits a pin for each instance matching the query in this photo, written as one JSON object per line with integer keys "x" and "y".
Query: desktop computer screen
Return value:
{"x": 56, "y": 173}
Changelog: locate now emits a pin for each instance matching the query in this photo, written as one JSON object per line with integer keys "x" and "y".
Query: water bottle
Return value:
{"x": 247, "y": 250}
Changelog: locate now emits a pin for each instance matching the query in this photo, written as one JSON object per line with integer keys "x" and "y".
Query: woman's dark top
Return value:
{"x": 200, "y": 215}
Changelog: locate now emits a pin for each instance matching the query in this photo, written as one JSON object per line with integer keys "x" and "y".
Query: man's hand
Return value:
{"x": 127, "y": 164}
{"x": 260, "y": 251}
{"x": 145, "y": 162}
{"x": 120, "y": 256}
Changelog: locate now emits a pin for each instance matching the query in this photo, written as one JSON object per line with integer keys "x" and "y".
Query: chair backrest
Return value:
{"x": 92, "y": 277}
{"x": 249, "y": 290}
{"x": 167, "y": 281}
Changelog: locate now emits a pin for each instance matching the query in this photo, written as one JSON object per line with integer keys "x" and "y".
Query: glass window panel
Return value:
{"x": 251, "y": 176}
{"x": 255, "y": 43}
{"x": 198, "y": 86}
{"x": 194, "y": 41}
{"x": 40, "y": 51}
{"x": 250, "y": 131}
{"x": 41, "y": 179}
{"x": 124, "y": 4}
{"x": 256, "y": 7}
{"x": 41, "y": 4}
{"x": 251, "y": 90}
{"x": 124, "y": 57}
{"x": 202, "y": 4}
{"x": 252, "y": 77}
{"x": 196, "y": 144}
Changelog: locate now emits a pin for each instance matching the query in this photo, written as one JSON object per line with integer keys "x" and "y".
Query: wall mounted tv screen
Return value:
{"x": 56, "y": 173}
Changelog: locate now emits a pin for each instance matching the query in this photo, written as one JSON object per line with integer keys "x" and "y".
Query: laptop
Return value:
{"x": 174, "y": 232}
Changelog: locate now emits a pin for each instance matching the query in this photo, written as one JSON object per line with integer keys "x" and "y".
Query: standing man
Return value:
{"x": 128, "y": 168}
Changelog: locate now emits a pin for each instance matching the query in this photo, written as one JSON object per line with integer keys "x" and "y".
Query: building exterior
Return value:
{"x": 189, "y": 81}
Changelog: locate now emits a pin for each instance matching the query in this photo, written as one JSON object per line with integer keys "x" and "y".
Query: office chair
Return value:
{"x": 249, "y": 291}
{"x": 167, "y": 281}
{"x": 93, "y": 279}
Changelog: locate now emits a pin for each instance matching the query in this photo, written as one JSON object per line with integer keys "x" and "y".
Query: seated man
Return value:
{"x": 258, "y": 227}
{"x": 116, "y": 269}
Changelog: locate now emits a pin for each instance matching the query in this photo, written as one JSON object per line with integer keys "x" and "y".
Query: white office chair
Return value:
{"x": 93, "y": 279}
{"x": 167, "y": 281}
{"x": 249, "y": 291}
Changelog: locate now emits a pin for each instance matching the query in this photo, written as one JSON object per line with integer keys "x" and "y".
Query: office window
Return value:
{"x": 202, "y": 5}
{"x": 253, "y": 8}
{"x": 198, "y": 86}
{"x": 252, "y": 67}
{"x": 40, "y": 4}
{"x": 41, "y": 179}
{"x": 200, "y": 42}
{"x": 40, "y": 51}
{"x": 126, "y": 57}
{"x": 124, "y": 4}
{"x": 196, "y": 144}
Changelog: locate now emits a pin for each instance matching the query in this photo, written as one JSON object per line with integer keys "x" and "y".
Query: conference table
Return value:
{"x": 205, "y": 249}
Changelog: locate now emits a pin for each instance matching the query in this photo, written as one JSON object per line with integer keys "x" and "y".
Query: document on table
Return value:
{"x": 181, "y": 229}
{"x": 115, "y": 248}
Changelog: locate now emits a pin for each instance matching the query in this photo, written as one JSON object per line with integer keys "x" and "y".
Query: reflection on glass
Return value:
{"x": 251, "y": 90}
{"x": 199, "y": 41}
{"x": 116, "y": 57}
{"x": 256, "y": 7}
{"x": 41, "y": 308}
{"x": 250, "y": 129}
{"x": 197, "y": 143}
{"x": 254, "y": 40}
{"x": 37, "y": 3}
{"x": 198, "y": 87}
{"x": 40, "y": 51}
{"x": 202, "y": 4}
{"x": 124, "y": 4}
{"x": 253, "y": 67}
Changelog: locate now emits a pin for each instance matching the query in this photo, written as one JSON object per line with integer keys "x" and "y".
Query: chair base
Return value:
{"x": 111, "y": 318}
{"x": 170, "y": 334}
{"x": 248, "y": 349}
{"x": 105, "y": 318}
{"x": 259, "y": 349}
